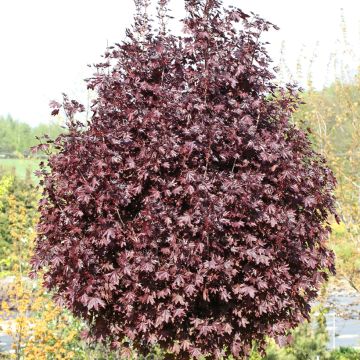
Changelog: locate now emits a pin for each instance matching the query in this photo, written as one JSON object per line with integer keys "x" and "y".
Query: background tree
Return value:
{"x": 333, "y": 115}
{"x": 16, "y": 136}
{"x": 189, "y": 211}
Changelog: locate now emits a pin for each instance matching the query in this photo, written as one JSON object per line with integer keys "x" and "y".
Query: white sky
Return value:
{"x": 45, "y": 45}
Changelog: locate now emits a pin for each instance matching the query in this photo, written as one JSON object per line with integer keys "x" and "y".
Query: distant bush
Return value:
{"x": 345, "y": 353}
{"x": 18, "y": 213}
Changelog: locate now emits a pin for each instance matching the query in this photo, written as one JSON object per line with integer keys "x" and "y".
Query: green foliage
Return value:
{"x": 310, "y": 341}
{"x": 345, "y": 354}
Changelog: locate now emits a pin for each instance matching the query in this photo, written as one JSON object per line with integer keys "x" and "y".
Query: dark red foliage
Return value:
{"x": 189, "y": 212}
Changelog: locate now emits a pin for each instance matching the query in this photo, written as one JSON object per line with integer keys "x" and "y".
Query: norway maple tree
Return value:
{"x": 188, "y": 212}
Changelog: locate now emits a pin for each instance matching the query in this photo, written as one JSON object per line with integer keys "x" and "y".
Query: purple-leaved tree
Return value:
{"x": 188, "y": 212}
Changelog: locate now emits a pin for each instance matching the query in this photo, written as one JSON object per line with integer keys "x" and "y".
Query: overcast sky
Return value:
{"x": 46, "y": 45}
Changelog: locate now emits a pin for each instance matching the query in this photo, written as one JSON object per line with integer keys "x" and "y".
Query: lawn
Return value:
{"x": 20, "y": 166}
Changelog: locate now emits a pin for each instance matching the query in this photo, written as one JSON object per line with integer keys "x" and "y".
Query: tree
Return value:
{"x": 189, "y": 212}
{"x": 18, "y": 137}
{"x": 332, "y": 113}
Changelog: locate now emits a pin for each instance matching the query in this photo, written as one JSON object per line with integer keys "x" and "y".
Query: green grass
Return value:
{"x": 19, "y": 166}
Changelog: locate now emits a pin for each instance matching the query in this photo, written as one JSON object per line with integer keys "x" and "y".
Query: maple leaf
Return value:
{"x": 163, "y": 275}
{"x": 190, "y": 289}
{"x": 247, "y": 290}
{"x": 178, "y": 299}
{"x": 309, "y": 201}
{"x": 114, "y": 278}
{"x": 179, "y": 313}
{"x": 184, "y": 219}
{"x": 95, "y": 303}
{"x": 228, "y": 328}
